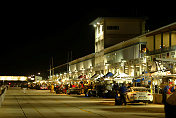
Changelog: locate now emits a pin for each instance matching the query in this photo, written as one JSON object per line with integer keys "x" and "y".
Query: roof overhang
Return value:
{"x": 96, "y": 20}
{"x": 167, "y": 28}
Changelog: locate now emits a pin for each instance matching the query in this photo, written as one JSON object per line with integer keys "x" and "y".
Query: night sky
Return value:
{"x": 30, "y": 37}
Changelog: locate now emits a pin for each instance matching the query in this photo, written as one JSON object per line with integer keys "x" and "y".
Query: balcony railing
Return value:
{"x": 163, "y": 50}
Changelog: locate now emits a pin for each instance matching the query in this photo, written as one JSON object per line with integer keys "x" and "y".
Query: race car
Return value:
{"x": 139, "y": 94}
{"x": 43, "y": 87}
{"x": 74, "y": 91}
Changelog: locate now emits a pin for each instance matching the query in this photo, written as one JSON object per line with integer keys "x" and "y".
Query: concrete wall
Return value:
{"x": 72, "y": 68}
{"x": 128, "y": 53}
{"x": 79, "y": 66}
{"x": 86, "y": 64}
{"x": 128, "y": 28}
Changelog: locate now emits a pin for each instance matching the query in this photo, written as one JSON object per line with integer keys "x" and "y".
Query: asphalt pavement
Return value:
{"x": 43, "y": 104}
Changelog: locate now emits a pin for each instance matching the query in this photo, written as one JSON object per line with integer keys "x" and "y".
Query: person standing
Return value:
{"x": 123, "y": 93}
{"x": 172, "y": 88}
{"x": 66, "y": 88}
{"x": 165, "y": 92}
{"x": 86, "y": 89}
{"x": 52, "y": 88}
{"x": 116, "y": 90}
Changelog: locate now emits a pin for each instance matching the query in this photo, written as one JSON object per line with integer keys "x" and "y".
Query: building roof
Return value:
{"x": 167, "y": 28}
{"x": 87, "y": 57}
{"x": 126, "y": 18}
{"x": 170, "y": 27}
{"x": 96, "y": 20}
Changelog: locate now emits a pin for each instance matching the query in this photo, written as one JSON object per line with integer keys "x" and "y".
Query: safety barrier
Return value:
{"x": 2, "y": 94}
{"x": 157, "y": 98}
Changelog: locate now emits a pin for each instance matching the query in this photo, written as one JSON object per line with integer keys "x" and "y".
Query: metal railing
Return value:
{"x": 163, "y": 50}
{"x": 2, "y": 94}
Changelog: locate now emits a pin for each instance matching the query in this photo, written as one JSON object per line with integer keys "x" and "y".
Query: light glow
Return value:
{"x": 13, "y": 78}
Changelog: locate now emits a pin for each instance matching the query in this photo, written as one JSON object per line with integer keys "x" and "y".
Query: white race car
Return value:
{"x": 139, "y": 94}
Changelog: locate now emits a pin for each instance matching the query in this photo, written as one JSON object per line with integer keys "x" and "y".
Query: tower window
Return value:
{"x": 112, "y": 27}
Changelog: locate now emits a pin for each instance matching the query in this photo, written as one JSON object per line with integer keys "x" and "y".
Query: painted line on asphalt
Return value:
{"x": 21, "y": 107}
{"x": 84, "y": 110}
{"x": 36, "y": 109}
{"x": 92, "y": 112}
{"x": 48, "y": 108}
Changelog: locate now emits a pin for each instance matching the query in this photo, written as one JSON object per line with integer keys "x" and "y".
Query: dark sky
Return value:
{"x": 30, "y": 37}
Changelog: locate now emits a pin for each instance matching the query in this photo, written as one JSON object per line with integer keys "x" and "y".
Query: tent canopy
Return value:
{"x": 99, "y": 76}
{"x": 109, "y": 74}
{"x": 121, "y": 75}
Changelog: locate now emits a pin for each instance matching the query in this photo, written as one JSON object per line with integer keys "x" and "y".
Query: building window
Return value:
{"x": 112, "y": 27}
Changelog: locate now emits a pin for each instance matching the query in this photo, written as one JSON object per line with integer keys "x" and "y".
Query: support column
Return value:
{"x": 161, "y": 40}
{"x": 170, "y": 39}
{"x": 135, "y": 70}
{"x": 140, "y": 69}
{"x": 154, "y": 42}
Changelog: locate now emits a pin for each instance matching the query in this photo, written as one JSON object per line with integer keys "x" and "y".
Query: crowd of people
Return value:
{"x": 106, "y": 89}
{"x": 99, "y": 89}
